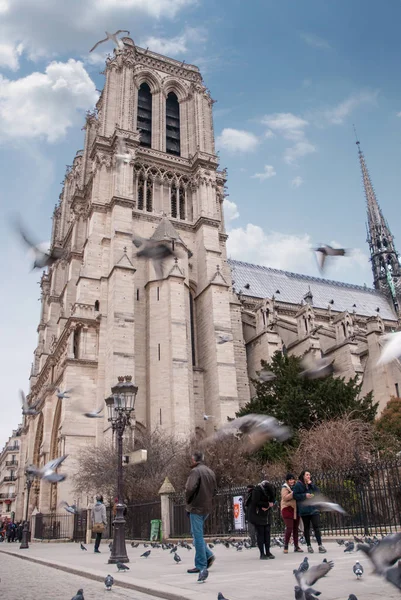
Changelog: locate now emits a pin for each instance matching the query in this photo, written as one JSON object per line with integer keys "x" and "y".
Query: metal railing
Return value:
{"x": 10, "y": 478}
{"x": 11, "y": 463}
{"x": 8, "y": 496}
{"x": 369, "y": 493}
{"x": 53, "y": 526}
{"x": 137, "y": 519}
{"x": 12, "y": 448}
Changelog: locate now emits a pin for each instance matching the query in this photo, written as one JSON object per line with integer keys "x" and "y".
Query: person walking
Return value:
{"x": 303, "y": 490}
{"x": 99, "y": 520}
{"x": 260, "y": 515}
{"x": 247, "y": 506}
{"x": 289, "y": 513}
{"x": 200, "y": 489}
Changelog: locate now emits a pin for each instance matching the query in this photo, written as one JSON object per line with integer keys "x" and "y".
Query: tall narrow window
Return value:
{"x": 192, "y": 324}
{"x": 149, "y": 195}
{"x": 76, "y": 340}
{"x": 173, "y": 125}
{"x": 174, "y": 194}
{"x": 144, "y": 123}
{"x": 397, "y": 390}
{"x": 141, "y": 191}
{"x": 182, "y": 202}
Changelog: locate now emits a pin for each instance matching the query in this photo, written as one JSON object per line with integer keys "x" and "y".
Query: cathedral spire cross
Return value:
{"x": 383, "y": 255}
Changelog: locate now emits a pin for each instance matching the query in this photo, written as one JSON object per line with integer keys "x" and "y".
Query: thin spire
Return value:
{"x": 384, "y": 257}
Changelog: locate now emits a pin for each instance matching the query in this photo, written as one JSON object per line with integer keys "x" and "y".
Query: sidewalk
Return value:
{"x": 238, "y": 575}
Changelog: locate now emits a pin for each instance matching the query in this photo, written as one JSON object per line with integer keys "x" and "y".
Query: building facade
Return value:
{"x": 11, "y": 484}
{"x": 149, "y": 168}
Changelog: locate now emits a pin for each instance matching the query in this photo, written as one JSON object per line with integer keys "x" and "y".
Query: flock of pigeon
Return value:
{"x": 384, "y": 554}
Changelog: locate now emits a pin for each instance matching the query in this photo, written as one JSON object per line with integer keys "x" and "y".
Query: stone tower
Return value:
{"x": 384, "y": 257}
{"x": 148, "y": 168}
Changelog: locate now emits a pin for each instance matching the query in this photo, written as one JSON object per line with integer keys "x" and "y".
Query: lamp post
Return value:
{"x": 25, "y": 531}
{"x": 120, "y": 405}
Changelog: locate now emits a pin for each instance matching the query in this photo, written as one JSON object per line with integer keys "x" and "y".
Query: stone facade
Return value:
{"x": 104, "y": 311}
{"x": 11, "y": 485}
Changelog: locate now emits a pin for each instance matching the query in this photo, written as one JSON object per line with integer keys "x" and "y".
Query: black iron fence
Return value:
{"x": 53, "y": 526}
{"x": 369, "y": 493}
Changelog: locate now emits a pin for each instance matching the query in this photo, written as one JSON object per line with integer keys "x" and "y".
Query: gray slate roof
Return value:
{"x": 264, "y": 283}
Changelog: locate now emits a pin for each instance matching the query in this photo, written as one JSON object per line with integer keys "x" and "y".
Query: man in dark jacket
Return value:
{"x": 199, "y": 491}
{"x": 247, "y": 505}
{"x": 263, "y": 498}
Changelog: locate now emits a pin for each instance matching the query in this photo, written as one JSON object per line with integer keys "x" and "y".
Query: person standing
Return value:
{"x": 303, "y": 490}
{"x": 200, "y": 489}
{"x": 263, "y": 498}
{"x": 99, "y": 520}
{"x": 247, "y": 506}
{"x": 289, "y": 513}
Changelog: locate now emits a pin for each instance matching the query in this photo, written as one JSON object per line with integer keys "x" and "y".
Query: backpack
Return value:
{"x": 248, "y": 496}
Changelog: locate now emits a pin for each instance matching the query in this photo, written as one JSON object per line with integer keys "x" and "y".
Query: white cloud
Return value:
{"x": 237, "y": 140}
{"x": 230, "y": 211}
{"x": 45, "y": 104}
{"x": 297, "y": 182}
{"x": 315, "y": 41}
{"x": 175, "y": 46}
{"x": 269, "y": 134}
{"x": 268, "y": 172}
{"x": 49, "y": 29}
{"x": 9, "y": 55}
{"x": 299, "y": 150}
{"x": 337, "y": 114}
{"x": 287, "y": 125}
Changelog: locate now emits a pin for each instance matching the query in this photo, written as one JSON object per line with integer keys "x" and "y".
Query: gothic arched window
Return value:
{"x": 182, "y": 202}
{"x": 173, "y": 125}
{"x": 149, "y": 195}
{"x": 173, "y": 199}
{"x": 144, "y": 121}
{"x": 141, "y": 192}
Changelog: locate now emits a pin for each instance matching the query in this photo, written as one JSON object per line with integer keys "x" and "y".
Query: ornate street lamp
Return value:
{"x": 120, "y": 406}
{"x": 25, "y": 531}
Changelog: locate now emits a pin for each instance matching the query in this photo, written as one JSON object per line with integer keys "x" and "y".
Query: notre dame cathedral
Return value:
{"x": 105, "y": 313}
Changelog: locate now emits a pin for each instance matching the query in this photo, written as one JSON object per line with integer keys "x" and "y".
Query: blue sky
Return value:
{"x": 290, "y": 78}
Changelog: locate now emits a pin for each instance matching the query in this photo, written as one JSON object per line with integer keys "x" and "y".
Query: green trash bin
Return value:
{"x": 156, "y": 530}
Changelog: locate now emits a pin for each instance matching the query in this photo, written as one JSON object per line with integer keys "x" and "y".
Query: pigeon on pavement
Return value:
{"x": 177, "y": 558}
{"x": 350, "y": 547}
{"x": 83, "y": 547}
{"x": 146, "y": 554}
{"x": 352, "y": 597}
{"x": 203, "y": 575}
{"x": 221, "y": 597}
{"x": 358, "y": 569}
{"x": 79, "y": 595}
{"x": 122, "y": 567}
{"x": 304, "y": 566}
{"x": 108, "y": 582}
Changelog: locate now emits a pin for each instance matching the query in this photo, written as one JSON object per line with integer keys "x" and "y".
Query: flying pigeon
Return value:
{"x": 79, "y": 595}
{"x": 317, "y": 369}
{"x": 108, "y": 582}
{"x": 393, "y": 575}
{"x": 265, "y": 376}
{"x": 258, "y": 428}
{"x": 203, "y": 575}
{"x": 146, "y": 554}
{"x": 308, "y": 594}
{"x": 392, "y": 348}
{"x": 83, "y": 547}
{"x": 323, "y": 504}
{"x": 48, "y": 472}
{"x": 95, "y": 414}
{"x": 350, "y": 547}
{"x": 308, "y": 578}
{"x": 26, "y": 409}
{"x": 73, "y": 509}
{"x": 207, "y": 417}
{"x": 158, "y": 252}
{"x": 223, "y": 338}
{"x": 61, "y": 395}
{"x": 122, "y": 567}
{"x": 177, "y": 558}
{"x": 42, "y": 258}
{"x": 358, "y": 569}
{"x": 384, "y": 555}
{"x": 113, "y": 37}
{"x": 324, "y": 251}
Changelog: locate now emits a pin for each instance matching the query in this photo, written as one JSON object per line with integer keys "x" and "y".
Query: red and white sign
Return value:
{"x": 239, "y": 515}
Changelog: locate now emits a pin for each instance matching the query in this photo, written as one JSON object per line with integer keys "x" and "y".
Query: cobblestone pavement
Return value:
{"x": 24, "y": 580}
{"x": 238, "y": 575}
